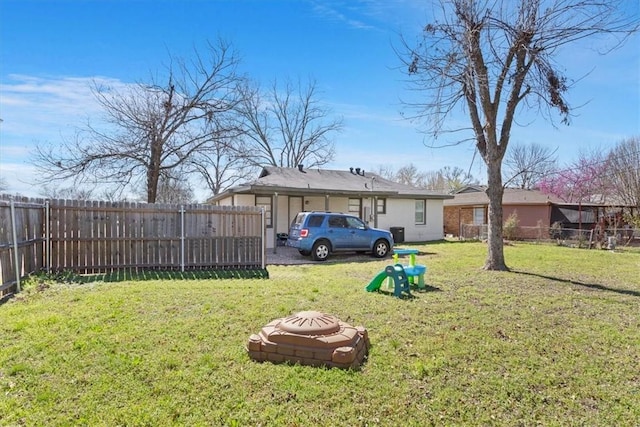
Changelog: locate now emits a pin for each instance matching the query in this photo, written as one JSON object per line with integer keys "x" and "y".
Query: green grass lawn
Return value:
{"x": 554, "y": 342}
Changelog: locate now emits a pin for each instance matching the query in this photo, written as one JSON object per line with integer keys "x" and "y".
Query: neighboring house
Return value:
{"x": 533, "y": 208}
{"x": 283, "y": 192}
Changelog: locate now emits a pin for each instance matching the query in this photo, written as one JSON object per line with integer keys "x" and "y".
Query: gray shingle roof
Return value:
{"x": 512, "y": 196}
{"x": 327, "y": 181}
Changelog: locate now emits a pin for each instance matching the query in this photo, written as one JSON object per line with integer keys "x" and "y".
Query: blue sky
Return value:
{"x": 51, "y": 50}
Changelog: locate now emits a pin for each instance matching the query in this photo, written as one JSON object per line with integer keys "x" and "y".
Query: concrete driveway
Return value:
{"x": 290, "y": 256}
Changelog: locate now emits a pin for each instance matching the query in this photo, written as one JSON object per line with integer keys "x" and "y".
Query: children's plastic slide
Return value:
{"x": 395, "y": 273}
{"x": 377, "y": 281}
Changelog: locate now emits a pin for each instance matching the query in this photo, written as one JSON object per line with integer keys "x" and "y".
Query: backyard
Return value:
{"x": 556, "y": 341}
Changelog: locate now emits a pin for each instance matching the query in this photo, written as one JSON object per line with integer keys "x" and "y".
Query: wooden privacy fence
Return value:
{"x": 95, "y": 237}
{"x": 21, "y": 240}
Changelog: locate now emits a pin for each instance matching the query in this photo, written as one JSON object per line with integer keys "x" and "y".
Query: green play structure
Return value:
{"x": 401, "y": 277}
{"x": 394, "y": 273}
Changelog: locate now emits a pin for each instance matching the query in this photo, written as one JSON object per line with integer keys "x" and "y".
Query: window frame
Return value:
{"x": 268, "y": 209}
{"x": 423, "y": 221}
{"x": 478, "y": 209}
{"x": 357, "y": 213}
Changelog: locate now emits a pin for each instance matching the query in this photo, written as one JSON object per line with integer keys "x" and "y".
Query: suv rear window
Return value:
{"x": 299, "y": 218}
{"x": 315, "y": 220}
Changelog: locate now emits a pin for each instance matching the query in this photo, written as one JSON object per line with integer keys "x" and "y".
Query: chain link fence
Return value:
{"x": 584, "y": 238}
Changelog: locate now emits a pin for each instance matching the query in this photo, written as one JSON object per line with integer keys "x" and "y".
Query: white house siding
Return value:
{"x": 238, "y": 200}
{"x": 435, "y": 222}
{"x": 283, "y": 216}
{"x": 338, "y": 204}
{"x": 227, "y": 201}
{"x": 401, "y": 213}
{"x": 315, "y": 203}
{"x": 245, "y": 200}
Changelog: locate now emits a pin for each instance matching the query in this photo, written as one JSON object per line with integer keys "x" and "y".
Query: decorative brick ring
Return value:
{"x": 310, "y": 338}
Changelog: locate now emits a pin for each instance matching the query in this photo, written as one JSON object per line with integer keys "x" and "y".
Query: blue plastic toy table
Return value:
{"x": 412, "y": 270}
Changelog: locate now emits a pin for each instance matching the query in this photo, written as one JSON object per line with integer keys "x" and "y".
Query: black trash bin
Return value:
{"x": 398, "y": 234}
{"x": 282, "y": 239}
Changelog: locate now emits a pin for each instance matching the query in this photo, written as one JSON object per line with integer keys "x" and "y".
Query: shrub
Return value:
{"x": 510, "y": 227}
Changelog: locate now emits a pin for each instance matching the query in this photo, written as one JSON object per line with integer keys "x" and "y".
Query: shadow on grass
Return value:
{"x": 6, "y": 298}
{"x": 404, "y": 295}
{"x": 426, "y": 289}
{"x": 586, "y": 285}
{"x": 125, "y": 275}
{"x": 412, "y": 295}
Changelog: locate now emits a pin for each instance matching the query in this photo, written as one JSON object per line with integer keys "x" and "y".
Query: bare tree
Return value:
{"x": 434, "y": 180}
{"x": 3, "y": 184}
{"x": 287, "y": 127}
{"x": 154, "y": 128}
{"x": 456, "y": 178}
{"x": 409, "y": 175}
{"x": 526, "y": 165}
{"x": 623, "y": 169}
{"x": 174, "y": 189}
{"x": 493, "y": 57}
{"x": 448, "y": 179}
{"x": 386, "y": 172}
{"x": 221, "y": 166}
{"x": 70, "y": 193}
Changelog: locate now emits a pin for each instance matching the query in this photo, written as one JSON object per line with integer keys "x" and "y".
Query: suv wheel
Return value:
{"x": 380, "y": 249}
{"x": 320, "y": 250}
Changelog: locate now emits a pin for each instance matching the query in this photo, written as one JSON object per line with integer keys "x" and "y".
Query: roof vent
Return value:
{"x": 351, "y": 170}
{"x": 357, "y": 171}
{"x": 300, "y": 166}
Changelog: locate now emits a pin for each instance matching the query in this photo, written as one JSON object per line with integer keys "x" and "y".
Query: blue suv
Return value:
{"x": 320, "y": 233}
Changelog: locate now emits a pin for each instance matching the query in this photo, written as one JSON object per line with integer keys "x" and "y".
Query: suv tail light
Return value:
{"x": 304, "y": 232}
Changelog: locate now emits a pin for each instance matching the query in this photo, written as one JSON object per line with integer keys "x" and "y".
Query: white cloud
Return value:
{"x": 14, "y": 150}
{"x": 373, "y": 14}
{"x": 19, "y": 178}
{"x": 40, "y": 107}
{"x": 332, "y": 13}
{"x": 41, "y": 110}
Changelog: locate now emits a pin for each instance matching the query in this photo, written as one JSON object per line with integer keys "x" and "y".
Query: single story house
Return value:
{"x": 411, "y": 213}
{"x": 469, "y": 206}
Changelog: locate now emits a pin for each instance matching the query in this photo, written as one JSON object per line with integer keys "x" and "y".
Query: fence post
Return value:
{"x": 14, "y": 232}
{"x": 182, "y": 238}
{"x": 274, "y": 223}
{"x": 47, "y": 237}
{"x": 264, "y": 238}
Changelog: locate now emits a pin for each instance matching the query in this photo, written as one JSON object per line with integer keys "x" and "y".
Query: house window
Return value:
{"x": 265, "y": 202}
{"x": 478, "y": 216}
{"x": 420, "y": 213}
{"x": 354, "y": 206}
{"x": 381, "y": 206}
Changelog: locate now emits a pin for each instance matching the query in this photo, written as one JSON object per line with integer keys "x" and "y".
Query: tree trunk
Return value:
{"x": 153, "y": 170}
{"x": 153, "y": 178}
{"x": 495, "y": 254}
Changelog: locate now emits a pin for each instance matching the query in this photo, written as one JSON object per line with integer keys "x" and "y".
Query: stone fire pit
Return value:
{"x": 310, "y": 338}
